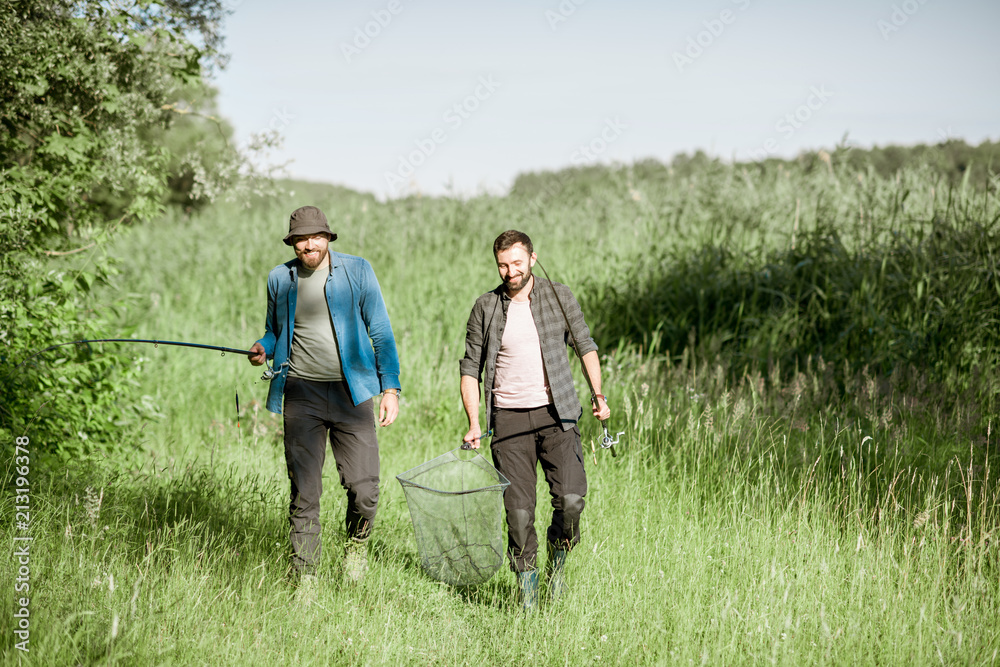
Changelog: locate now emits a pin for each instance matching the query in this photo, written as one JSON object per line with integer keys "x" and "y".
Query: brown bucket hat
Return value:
{"x": 307, "y": 220}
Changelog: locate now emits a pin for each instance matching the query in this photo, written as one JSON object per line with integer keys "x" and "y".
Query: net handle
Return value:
{"x": 466, "y": 446}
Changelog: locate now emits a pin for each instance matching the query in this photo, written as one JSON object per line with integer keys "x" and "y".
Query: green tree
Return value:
{"x": 91, "y": 92}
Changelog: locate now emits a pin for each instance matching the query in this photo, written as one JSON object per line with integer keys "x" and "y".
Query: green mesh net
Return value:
{"x": 456, "y": 505}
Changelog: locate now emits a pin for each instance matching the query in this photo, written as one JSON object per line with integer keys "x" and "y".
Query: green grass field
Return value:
{"x": 764, "y": 507}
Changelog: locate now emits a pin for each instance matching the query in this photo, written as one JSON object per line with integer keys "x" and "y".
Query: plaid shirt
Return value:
{"x": 484, "y": 333}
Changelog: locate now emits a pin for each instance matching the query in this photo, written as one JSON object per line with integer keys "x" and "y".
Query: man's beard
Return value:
{"x": 525, "y": 281}
{"x": 311, "y": 263}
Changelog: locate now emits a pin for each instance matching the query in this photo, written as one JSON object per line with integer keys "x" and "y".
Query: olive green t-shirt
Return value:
{"x": 314, "y": 345}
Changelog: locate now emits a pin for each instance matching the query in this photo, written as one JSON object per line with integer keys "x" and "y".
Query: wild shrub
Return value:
{"x": 89, "y": 90}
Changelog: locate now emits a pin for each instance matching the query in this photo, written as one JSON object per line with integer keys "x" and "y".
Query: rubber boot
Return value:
{"x": 557, "y": 573}
{"x": 528, "y": 583}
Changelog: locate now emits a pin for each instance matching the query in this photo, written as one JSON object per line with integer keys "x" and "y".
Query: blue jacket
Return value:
{"x": 360, "y": 321}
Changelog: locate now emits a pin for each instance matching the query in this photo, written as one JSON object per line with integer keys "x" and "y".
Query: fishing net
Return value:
{"x": 456, "y": 505}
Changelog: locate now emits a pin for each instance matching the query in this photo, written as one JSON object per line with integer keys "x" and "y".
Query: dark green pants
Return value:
{"x": 311, "y": 410}
{"x": 523, "y": 439}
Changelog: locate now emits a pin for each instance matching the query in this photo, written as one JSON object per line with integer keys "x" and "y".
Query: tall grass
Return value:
{"x": 915, "y": 287}
{"x": 756, "y": 512}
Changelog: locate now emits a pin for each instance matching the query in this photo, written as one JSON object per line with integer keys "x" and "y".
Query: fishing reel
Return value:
{"x": 270, "y": 372}
{"x": 607, "y": 442}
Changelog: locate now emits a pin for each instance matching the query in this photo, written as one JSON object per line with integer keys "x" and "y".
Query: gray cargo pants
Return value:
{"x": 312, "y": 409}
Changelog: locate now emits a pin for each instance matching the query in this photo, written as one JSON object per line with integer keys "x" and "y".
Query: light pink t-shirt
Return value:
{"x": 520, "y": 380}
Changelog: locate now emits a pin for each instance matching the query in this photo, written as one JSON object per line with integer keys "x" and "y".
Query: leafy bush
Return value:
{"x": 88, "y": 90}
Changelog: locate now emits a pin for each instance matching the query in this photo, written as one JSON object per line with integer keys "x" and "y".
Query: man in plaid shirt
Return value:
{"x": 517, "y": 335}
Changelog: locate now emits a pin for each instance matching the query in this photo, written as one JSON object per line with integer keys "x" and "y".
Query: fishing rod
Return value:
{"x": 268, "y": 373}
{"x": 607, "y": 442}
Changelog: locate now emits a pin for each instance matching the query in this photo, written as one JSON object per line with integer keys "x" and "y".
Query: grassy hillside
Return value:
{"x": 784, "y": 492}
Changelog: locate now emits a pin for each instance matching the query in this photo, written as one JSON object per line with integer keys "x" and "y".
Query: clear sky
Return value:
{"x": 395, "y": 96}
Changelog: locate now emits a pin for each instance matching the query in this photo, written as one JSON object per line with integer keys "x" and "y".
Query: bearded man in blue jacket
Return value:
{"x": 328, "y": 334}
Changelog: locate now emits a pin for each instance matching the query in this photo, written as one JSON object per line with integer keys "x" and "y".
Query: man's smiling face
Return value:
{"x": 312, "y": 250}
{"x": 514, "y": 266}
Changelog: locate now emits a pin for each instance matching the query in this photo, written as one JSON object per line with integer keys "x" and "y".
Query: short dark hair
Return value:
{"x": 510, "y": 238}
